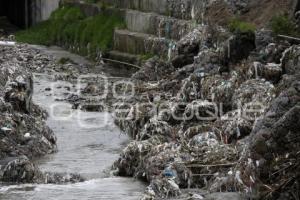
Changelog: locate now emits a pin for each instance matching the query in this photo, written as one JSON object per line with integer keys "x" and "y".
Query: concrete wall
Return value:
{"x": 41, "y": 10}
{"x": 47, "y": 7}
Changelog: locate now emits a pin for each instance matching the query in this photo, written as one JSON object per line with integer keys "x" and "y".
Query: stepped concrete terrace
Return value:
{"x": 153, "y": 26}
{"x": 181, "y": 9}
{"x": 158, "y": 25}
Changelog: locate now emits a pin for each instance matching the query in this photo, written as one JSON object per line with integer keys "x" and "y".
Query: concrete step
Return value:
{"x": 141, "y": 43}
{"x": 158, "y": 25}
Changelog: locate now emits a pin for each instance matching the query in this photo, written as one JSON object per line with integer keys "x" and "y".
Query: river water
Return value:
{"x": 88, "y": 144}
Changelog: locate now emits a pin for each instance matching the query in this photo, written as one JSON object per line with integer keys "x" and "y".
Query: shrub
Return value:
{"x": 68, "y": 26}
{"x": 240, "y": 26}
{"x": 282, "y": 24}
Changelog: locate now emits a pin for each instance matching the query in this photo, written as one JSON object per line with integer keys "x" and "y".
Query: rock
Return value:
{"x": 290, "y": 60}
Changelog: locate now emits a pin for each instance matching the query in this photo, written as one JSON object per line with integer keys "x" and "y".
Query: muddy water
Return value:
{"x": 88, "y": 144}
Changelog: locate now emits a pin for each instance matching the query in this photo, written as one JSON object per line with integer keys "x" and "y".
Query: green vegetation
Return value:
{"x": 64, "y": 60}
{"x": 91, "y": 1}
{"x": 236, "y": 25}
{"x": 146, "y": 56}
{"x": 69, "y": 27}
{"x": 282, "y": 24}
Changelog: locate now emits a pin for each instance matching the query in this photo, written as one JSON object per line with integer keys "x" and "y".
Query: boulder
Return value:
{"x": 290, "y": 60}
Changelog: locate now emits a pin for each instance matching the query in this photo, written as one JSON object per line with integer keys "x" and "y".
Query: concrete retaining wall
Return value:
{"x": 158, "y": 25}
{"x": 47, "y": 7}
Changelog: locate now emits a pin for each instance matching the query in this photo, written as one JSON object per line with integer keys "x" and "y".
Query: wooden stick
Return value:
{"x": 124, "y": 63}
{"x": 289, "y": 38}
{"x": 212, "y": 165}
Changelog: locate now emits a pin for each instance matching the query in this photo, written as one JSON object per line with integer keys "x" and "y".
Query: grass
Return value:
{"x": 64, "y": 60}
{"x": 282, "y": 24}
{"x": 91, "y": 1}
{"x": 146, "y": 56}
{"x": 69, "y": 27}
{"x": 236, "y": 25}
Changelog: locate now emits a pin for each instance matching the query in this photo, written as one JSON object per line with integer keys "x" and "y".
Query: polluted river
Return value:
{"x": 88, "y": 143}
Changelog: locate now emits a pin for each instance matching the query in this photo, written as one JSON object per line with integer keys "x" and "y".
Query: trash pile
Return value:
{"x": 24, "y": 134}
{"x": 228, "y": 122}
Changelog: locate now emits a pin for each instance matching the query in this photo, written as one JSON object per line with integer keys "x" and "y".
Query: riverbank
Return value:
{"x": 220, "y": 112}
{"x": 216, "y": 126}
{"x": 52, "y": 171}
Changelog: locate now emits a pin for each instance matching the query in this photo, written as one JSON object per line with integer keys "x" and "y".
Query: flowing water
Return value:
{"x": 88, "y": 144}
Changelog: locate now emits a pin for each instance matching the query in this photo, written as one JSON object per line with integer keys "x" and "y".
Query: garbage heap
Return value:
{"x": 223, "y": 116}
{"x": 24, "y": 134}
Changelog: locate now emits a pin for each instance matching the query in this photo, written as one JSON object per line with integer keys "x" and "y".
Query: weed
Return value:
{"x": 241, "y": 26}
{"x": 69, "y": 27}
